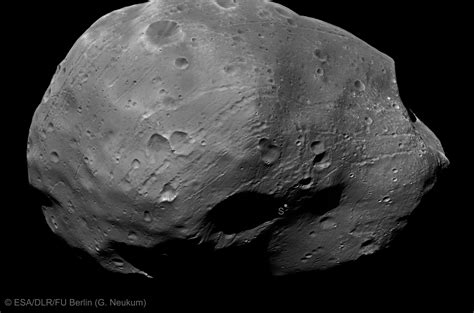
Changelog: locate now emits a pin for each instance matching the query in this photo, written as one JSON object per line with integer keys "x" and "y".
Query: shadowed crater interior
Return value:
{"x": 243, "y": 211}
{"x": 320, "y": 202}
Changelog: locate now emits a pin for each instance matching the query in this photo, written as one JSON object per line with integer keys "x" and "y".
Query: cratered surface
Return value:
{"x": 219, "y": 123}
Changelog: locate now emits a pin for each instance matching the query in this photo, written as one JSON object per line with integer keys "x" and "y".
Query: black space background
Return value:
{"x": 429, "y": 269}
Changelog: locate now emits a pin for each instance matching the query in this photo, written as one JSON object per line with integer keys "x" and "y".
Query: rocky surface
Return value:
{"x": 223, "y": 122}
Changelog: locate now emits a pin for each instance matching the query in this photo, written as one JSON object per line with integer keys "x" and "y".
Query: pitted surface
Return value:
{"x": 219, "y": 122}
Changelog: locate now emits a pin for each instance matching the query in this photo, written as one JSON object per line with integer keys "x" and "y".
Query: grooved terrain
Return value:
{"x": 223, "y": 123}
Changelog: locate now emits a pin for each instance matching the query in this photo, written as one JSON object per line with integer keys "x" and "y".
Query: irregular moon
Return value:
{"x": 220, "y": 122}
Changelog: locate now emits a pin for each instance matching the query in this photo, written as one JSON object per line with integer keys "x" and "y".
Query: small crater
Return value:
{"x": 231, "y": 69}
{"x": 158, "y": 143}
{"x": 43, "y": 134}
{"x": 264, "y": 14}
{"x": 269, "y": 152}
{"x": 156, "y": 80}
{"x": 387, "y": 200}
{"x": 166, "y": 206}
{"x": 136, "y": 164}
{"x": 179, "y": 140}
{"x": 319, "y": 72}
{"x": 132, "y": 237}
{"x": 50, "y": 128}
{"x": 368, "y": 247}
{"x": 54, "y": 157}
{"x": 318, "y": 148}
{"x": 147, "y": 217}
{"x": 318, "y": 250}
{"x": 291, "y": 22}
{"x": 306, "y": 257}
{"x": 320, "y": 55}
{"x": 226, "y": 4}
{"x": 163, "y": 32}
{"x": 131, "y": 104}
{"x": 306, "y": 181}
{"x": 168, "y": 194}
{"x": 327, "y": 223}
{"x": 181, "y": 63}
{"x": 359, "y": 85}
{"x": 194, "y": 42}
